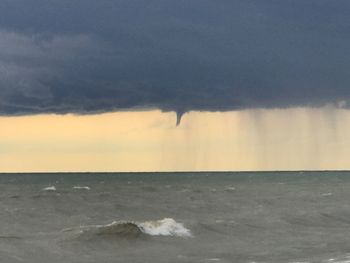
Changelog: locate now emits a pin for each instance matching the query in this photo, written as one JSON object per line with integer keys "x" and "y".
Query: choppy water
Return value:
{"x": 202, "y": 217}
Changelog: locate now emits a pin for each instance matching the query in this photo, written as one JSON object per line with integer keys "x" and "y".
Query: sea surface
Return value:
{"x": 175, "y": 217}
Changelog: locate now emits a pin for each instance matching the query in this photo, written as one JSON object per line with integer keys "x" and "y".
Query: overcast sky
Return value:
{"x": 87, "y": 56}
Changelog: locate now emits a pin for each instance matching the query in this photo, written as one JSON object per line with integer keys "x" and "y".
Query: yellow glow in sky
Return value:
{"x": 288, "y": 139}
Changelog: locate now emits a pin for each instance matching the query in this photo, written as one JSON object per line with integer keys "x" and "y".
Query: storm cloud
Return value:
{"x": 87, "y": 56}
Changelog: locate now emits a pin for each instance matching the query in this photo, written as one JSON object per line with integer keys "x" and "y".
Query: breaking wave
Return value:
{"x": 49, "y": 189}
{"x": 164, "y": 227}
{"x": 81, "y": 187}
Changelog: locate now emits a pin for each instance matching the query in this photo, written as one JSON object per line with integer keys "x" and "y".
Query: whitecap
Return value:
{"x": 164, "y": 227}
{"x": 81, "y": 187}
{"x": 49, "y": 188}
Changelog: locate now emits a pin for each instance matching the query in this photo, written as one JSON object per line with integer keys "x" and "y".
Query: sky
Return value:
{"x": 279, "y": 139}
{"x": 186, "y": 75}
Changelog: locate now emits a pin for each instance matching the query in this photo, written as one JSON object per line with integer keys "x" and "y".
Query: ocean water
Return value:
{"x": 175, "y": 217}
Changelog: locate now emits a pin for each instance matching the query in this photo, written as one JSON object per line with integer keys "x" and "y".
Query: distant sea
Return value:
{"x": 175, "y": 217}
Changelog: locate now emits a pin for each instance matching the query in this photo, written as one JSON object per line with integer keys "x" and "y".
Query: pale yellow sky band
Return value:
{"x": 281, "y": 139}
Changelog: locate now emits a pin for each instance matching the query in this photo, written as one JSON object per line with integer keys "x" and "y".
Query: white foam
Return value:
{"x": 81, "y": 187}
{"x": 49, "y": 188}
{"x": 164, "y": 227}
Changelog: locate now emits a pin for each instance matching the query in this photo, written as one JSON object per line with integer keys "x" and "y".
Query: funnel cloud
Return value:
{"x": 98, "y": 56}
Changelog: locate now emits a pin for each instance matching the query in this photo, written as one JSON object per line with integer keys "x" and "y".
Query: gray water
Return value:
{"x": 232, "y": 217}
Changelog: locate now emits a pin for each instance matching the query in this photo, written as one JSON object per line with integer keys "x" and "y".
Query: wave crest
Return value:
{"x": 118, "y": 228}
{"x": 163, "y": 227}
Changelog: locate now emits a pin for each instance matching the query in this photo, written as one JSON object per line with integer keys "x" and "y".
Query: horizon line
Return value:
{"x": 177, "y": 172}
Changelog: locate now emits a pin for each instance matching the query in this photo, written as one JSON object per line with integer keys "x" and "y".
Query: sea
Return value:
{"x": 249, "y": 217}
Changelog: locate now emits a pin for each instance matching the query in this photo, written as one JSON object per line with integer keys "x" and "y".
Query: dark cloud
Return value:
{"x": 92, "y": 56}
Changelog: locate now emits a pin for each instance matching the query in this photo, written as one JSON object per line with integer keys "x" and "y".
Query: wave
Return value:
{"x": 10, "y": 237}
{"x": 164, "y": 227}
{"x": 343, "y": 259}
{"x": 49, "y": 188}
{"x": 81, "y": 187}
{"x": 320, "y": 220}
